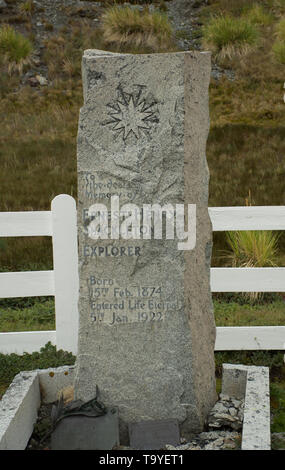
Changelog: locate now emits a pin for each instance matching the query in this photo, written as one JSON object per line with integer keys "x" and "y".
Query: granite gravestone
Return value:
{"x": 146, "y": 324}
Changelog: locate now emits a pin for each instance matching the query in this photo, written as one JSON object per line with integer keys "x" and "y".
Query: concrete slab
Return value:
{"x": 19, "y": 411}
{"x": 252, "y": 384}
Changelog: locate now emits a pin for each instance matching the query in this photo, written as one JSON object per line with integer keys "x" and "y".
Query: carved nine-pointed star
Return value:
{"x": 131, "y": 117}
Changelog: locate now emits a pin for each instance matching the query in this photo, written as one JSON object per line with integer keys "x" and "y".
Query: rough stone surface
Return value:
{"x": 234, "y": 380}
{"x": 18, "y": 411}
{"x": 256, "y": 424}
{"x": 142, "y": 136}
{"x": 213, "y": 440}
{"x": 227, "y": 412}
{"x": 252, "y": 384}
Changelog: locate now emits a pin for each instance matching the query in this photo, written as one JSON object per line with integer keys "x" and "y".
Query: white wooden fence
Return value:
{"x": 59, "y": 223}
{"x": 63, "y": 283}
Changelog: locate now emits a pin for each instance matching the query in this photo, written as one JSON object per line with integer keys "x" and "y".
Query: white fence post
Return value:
{"x": 65, "y": 259}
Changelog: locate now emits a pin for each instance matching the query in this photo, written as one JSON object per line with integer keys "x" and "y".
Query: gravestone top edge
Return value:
{"x": 91, "y": 53}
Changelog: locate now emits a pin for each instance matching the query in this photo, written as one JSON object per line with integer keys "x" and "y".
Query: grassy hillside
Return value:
{"x": 39, "y": 123}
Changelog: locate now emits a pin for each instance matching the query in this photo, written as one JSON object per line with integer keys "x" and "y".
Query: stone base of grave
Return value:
{"x": 243, "y": 409}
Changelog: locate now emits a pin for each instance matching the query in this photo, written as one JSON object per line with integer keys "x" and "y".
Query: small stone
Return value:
{"x": 36, "y": 61}
{"x": 224, "y": 397}
{"x": 236, "y": 403}
{"x": 232, "y": 411}
{"x": 33, "y": 82}
{"x": 230, "y": 444}
{"x": 3, "y": 4}
{"x": 240, "y": 414}
{"x": 219, "y": 408}
{"x": 42, "y": 80}
{"x": 224, "y": 416}
{"x": 211, "y": 435}
{"x": 214, "y": 445}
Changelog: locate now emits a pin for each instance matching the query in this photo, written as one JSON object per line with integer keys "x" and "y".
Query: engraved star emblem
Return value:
{"x": 131, "y": 115}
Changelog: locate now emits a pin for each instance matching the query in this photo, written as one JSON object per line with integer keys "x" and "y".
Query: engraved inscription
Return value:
{"x": 128, "y": 304}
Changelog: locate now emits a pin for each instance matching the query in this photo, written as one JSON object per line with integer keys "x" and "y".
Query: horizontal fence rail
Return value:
{"x": 27, "y": 284}
{"x": 20, "y": 342}
{"x": 63, "y": 283}
{"x": 248, "y": 279}
{"x": 238, "y": 338}
{"x": 25, "y": 224}
{"x": 247, "y": 218}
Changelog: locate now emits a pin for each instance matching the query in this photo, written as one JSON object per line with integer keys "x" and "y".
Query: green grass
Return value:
{"x": 258, "y": 16}
{"x": 39, "y": 127}
{"x": 37, "y": 317}
{"x": 264, "y": 314}
{"x": 277, "y": 396}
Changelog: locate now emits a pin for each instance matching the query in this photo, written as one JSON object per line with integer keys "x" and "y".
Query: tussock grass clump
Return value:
{"x": 137, "y": 29}
{"x": 251, "y": 249}
{"x": 254, "y": 248}
{"x": 27, "y": 8}
{"x": 15, "y": 49}
{"x": 227, "y": 36}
